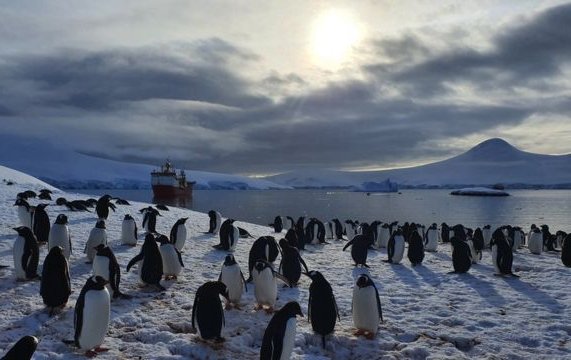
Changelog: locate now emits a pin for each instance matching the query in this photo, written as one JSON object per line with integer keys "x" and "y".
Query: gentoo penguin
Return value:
{"x": 359, "y": 249}
{"x": 415, "y": 249}
{"x": 24, "y": 212}
{"x": 264, "y": 248}
{"x": 431, "y": 242}
{"x": 55, "y": 285}
{"x": 518, "y": 238}
{"x": 60, "y": 236}
{"x": 461, "y": 255}
{"x": 178, "y": 234}
{"x": 151, "y": 263}
{"x": 322, "y": 308}
{"x": 207, "y": 312}
{"x": 384, "y": 234}
{"x": 291, "y": 237}
{"x": 475, "y": 256}
{"x": 129, "y": 231}
{"x": 103, "y": 205}
{"x": 45, "y": 194}
{"x": 244, "y": 233}
{"x": 98, "y": 235}
{"x": 444, "y": 233}
{"x": 162, "y": 207}
{"x": 535, "y": 241}
{"x": 77, "y": 205}
{"x": 214, "y": 223}
{"x": 366, "y": 307}
{"x": 60, "y": 201}
{"x": 41, "y": 223}
{"x": 231, "y": 275}
{"x": 289, "y": 223}
{"x": 150, "y": 219}
{"x": 119, "y": 201}
{"x": 502, "y": 253}
{"x": 22, "y": 350}
{"x": 487, "y": 235}
{"x": 290, "y": 265}
{"x": 560, "y": 236}
{"x": 300, "y": 235}
{"x": 172, "y": 259}
{"x": 265, "y": 286}
{"x": 350, "y": 229}
{"x": 279, "y": 337}
{"x": 375, "y": 229}
{"x": 329, "y": 230}
{"x": 337, "y": 229}
{"x": 395, "y": 247}
{"x": 91, "y": 317}
{"x": 278, "y": 224}
{"x": 229, "y": 235}
{"x": 566, "y": 251}
{"x": 315, "y": 231}
{"x": 105, "y": 265}
{"x": 548, "y": 239}
{"x": 478, "y": 242}
{"x": 26, "y": 254}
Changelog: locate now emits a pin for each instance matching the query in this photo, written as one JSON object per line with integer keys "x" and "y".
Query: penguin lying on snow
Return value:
{"x": 366, "y": 307}
{"x": 207, "y": 312}
{"x": 279, "y": 336}
{"x": 22, "y": 350}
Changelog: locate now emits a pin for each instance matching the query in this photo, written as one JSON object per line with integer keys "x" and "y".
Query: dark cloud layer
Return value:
{"x": 192, "y": 102}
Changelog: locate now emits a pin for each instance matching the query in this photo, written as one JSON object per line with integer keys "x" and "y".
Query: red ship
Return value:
{"x": 167, "y": 183}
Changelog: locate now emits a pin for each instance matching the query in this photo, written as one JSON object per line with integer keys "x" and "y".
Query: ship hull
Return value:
{"x": 166, "y": 191}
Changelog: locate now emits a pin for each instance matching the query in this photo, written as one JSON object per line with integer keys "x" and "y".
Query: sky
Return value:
{"x": 264, "y": 87}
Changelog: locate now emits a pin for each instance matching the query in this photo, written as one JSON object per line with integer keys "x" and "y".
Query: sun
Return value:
{"x": 333, "y": 35}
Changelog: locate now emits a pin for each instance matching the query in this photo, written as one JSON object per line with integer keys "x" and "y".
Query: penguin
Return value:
{"x": 229, "y": 235}
{"x": 150, "y": 219}
{"x": 566, "y": 251}
{"x": 215, "y": 220}
{"x": 278, "y": 224}
{"x": 129, "y": 231}
{"x": 171, "y": 257}
{"x": 444, "y": 233}
{"x": 60, "y": 236}
{"x": 322, "y": 308}
{"x": 291, "y": 237}
{"x": 383, "y": 236}
{"x": 290, "y": 265}
{"x": 264, "y": 248}
{"x": 151, "y": 263}
{"x": 502, "y": 254}
{"x": 231, "y": 275}
{"x": 91, "y": 316}
{"x": 26, "y": 254}
{"x": 366, "y": 307}
{"x": 22, "y": 350}
{"x": 45, "y": 195}
{"x": 105, "y": 265}
{"x": 461, "y": 255}
{"x": 548, "y": 239}
{"x": 560, "y": 236}
{"x": 395, "y": 247}
{"x": 178, "y": 234}
{"x": 119, "y": 201}
{"x": 535, "y": 241}
{"x": 279, "y": 336}
{"x": 478, "y": 243}
{"x": 300, "y": 235}
{"x": 103, "y": 205}
{"x": 376, "y": 229}
{"x": 24, "y": 212}
{"x": 329, "y": 230}
{"x": 243, "y": 233}
{"x": 91, "y": 202}
{"x": 207, "y": 312}
{"x": 487, "y": 235}
{"x": 162, "y": 207}
{"x": 78, "y": 205}
{"x": 350, "y": 229}
{"x": 338, "y": 229}
{"x": 315, "y": 231}
{"x": 55, "y": 285}
{"x": 359, "y": 249}
{"x": 431, "y": 242}
{"x": 265, "y": 285}
{"x": 60, "y": 201}
{"x": 41, "y": 223}
{"x": 415, "y": 249}
{"x": 290, "y": 223}
{"x": 97, "y": 235}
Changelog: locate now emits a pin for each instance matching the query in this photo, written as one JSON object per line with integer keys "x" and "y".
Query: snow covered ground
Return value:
{"x": 428, "y": 313}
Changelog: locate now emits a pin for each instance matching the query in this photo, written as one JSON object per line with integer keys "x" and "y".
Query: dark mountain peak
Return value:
{"x": 495, "y": 144}
{"x": 493, "y": 149}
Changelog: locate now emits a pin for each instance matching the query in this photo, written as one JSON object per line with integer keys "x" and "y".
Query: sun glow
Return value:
{"x": 333, "y": 35}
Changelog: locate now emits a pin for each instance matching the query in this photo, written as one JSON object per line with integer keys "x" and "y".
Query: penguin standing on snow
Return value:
{"x": 300, "y": 234}
{"x": 55, "y": 285}
{"x": 60, "y": 236}
{"x": 150, "y": 219}
{"x": 359, "y": 249}
{"x": 502, "y": 254}
{"x": 207, "y": 312}
{"x": 566, "y": 251}
{"x": 23, "y": 350}
{"x": 229, "y": 235}
{"x": 41, "y": 223}
{"x": 415, "y": 249}
{"x": 264, "y": 248}
{"x": 151, "y": 263}
{"x": 487, "y": 235}
{"x": 26, "y": 254}
{"x": 322, "y": 308}
{"x": 279, "y": 337}
{"x": 290, "y": 265}
{"x": 431, "y": 242}
{"x": 103, "y": 205}
{"x": 445, "y": 233}
{"x": 366, "y": 307}
{"x": 478, "y": 242}
{"x": 265, "y": 285}
{"x": 535, "y": 241}
{"x": 91, "y": 317}
{"x": 128, "y": 231}
{"x": 214, "y": 223}
{"x": 24, "y": 212}
{"x": 548, "y": 239}
{"x": 178, "y": 234}
{"x": 105, "y": 265}
{"x": 97, "y": 236}
{"x": 395, "y": 247}
{"x": 172, "y": 259}
{"x": 461, "y": 255}
{"x": 350, "y": 229}
{"x": 278, "y": 224}
{"x": 291, "y": 238}
{"x": 337, "y": 229}
{"x": 231, "y": 275}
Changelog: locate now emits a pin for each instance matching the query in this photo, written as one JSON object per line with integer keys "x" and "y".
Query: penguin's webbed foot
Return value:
{"x": 269, "y": 310}
{"x": 229, "y": 306}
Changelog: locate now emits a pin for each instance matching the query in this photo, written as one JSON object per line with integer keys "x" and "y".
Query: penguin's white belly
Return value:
{"x": 384, "y": 237}
{"x": 128, "y": 233}
{"x": 218, "y": 223}
{"x": 284, "y": 223}
{"x": 399, "y": 250}
{"x": 487, "y": 235}
{"x": 59, "y": 236}
{"x": 266, "y": 288}
{"x": 96, "y": 236}
{"x": 350, "y": 233}
{"x": 235, "y": 238}
{"x": 315, "y": 239}
{"x": 289, "y": 339}
{"x": 328, "y": 232}
{"x": 365, "y": 311}
{"x": 171, "y": 264}
{"x": 495, "y": 258}
{"x": 231, "y": 277}
{"x": 17, "y": 252}
{"x": 472, "y": 251}
{"x": 24, "y": 216}
{"x": 535, "y": 243}
{"x": 518, "y": 242}
{"x": 96, "y": 312}
{"x": 432, "y": 243}
{"x": 180, "y": 237}
{"x": 101, "y": 268}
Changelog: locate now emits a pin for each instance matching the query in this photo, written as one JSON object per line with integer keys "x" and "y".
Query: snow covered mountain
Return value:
{"x": 65, "y": 168}
{"x": 493, "y": 161}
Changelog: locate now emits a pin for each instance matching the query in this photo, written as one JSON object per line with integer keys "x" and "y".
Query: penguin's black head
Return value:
{"x": 162, "y": 239}
{"x": 128, "y": 217}
{"x": 22, "y": 202}
{"x": 364, "y": 280}
{"x": 182, "y": 220}
{"x": 23, "y": 349}
{"x": 149, "y": 239}
{"x": 544, "y": 227}
{"x": 314, "y": 275}
{"x": 213, "y": 288}
{"x": 96, "y": 283}
{"x": 100, "y": 224}
{"x": 292, "y": 309}
{"x": 105, "y": 198}
{"x": 498, "y": 234}
{"x": 533, "y": 226}
{"x": 99, "y": 248}
{"x": 536, "y": 230}
{"x": 41, "y": 206}
{"x": 284, "y": 244}
{"x": 398, "y": 231}
{"x": 56, "y": 250}
{"x": 229, "y": 260}
{"x": 23, "y": 230}
{"x": 261, "y": 265}
{"x": 61, "y": 219}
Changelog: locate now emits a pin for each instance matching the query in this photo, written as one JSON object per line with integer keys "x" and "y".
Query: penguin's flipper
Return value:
{"x": 134, "y": 260}
{"x": 348, "y": 244}
{"x": 245, "y": 282}
{"x": 302, "y": 262}
{"x": 179, "y": 257}
{"x": 282, "y": 278}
